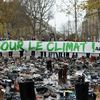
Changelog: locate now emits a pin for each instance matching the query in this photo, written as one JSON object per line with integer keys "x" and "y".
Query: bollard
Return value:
{"x": 82, "y": 91}
{"x": 81, "y": 88}
{"x": 27, "y": 90}
{"x": 62, "y": 75}
{"x": 49, "y": 65}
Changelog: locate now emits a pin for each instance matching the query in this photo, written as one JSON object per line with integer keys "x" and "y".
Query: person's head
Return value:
{"x": 33, "y": 38}
{"x": 43, "y": 39}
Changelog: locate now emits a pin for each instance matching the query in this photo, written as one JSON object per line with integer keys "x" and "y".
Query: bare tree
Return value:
{"x": 40, "y": 13}
{"x": 66, "y": 29}
{"x": 72, "y": 7}
{"x": 13, "y": 18}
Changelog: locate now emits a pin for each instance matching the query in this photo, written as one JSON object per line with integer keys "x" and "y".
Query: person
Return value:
{"x": 88, "y": 55}
{"x": 60, "y": 53}
{"x": 73, "y": 56}
{"x": 52, "y": 54}
{"x": 33, "y": 52}
{"x": 66, "y": 54}
{"x": 43, "y": 53}
{"x": 22, "y": 50}
{"x": 10, "y": 53}
{"x": 0, "y": 54}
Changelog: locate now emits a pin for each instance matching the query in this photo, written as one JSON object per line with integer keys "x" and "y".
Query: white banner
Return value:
{"x": 50, "y": 46}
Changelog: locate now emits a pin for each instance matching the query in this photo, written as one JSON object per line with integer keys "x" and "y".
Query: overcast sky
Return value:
{"x": 60, "y": 18}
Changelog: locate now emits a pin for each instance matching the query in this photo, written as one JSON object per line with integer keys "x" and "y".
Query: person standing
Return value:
{"x": 43, "y": 53}
{"x": 60, "y": 53}
{"x": 22, "y": 50}
{"x": 10, "y": 53}
{"x": 0, "y": 54}
{"x": 52, "y": 54}
{"x": 66, "y": 54}
{"x": 33, "y": 52}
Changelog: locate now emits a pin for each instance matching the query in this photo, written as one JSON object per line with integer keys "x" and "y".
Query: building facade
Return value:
{"x": 91, "y": 25}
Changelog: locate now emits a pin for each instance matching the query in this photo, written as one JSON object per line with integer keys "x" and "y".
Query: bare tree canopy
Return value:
{"x": 40, "y": 13}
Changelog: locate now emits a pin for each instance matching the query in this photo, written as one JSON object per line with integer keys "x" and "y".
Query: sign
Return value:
{"x": 50, "y": 46}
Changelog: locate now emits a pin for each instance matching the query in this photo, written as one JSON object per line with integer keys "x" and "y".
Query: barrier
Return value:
{"x": 50, "y": 46}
